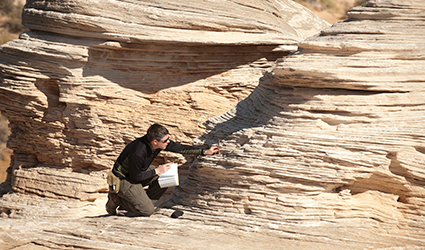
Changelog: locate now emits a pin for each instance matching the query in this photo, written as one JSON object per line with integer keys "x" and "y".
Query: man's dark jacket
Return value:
{"x": 138, "y": 155}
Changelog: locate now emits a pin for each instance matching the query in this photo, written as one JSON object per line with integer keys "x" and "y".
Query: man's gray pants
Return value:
{"x": 137, "y": 200}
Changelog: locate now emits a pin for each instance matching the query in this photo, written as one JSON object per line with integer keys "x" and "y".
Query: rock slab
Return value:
{"x": 90, "y": 76}
{"x": 330, "y": 146}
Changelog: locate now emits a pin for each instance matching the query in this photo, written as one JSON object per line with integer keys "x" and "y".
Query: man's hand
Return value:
{"x": 162, "y": 168}
{"x": 212, "y": 151}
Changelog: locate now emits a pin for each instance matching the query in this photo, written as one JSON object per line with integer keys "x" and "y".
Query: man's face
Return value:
{"x": 162, "y": 144}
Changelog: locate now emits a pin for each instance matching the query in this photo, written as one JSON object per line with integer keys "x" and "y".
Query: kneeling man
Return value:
{"x": 133, "y": 168}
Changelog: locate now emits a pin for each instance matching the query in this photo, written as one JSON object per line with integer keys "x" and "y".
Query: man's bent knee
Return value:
{"x": 145, "y": 211}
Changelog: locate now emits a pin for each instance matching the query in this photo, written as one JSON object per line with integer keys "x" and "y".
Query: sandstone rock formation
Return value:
{"x": 330, "y": 147}
{"x": 90, "y": 76}
{"x": 327, "y": 152}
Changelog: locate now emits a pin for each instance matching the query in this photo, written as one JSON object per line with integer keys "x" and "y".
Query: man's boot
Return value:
{"x": 112, "y": 204}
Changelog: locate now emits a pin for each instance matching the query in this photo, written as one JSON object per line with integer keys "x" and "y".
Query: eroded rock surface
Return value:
{"x": 326, "y": 153}
{"x": 91, "y": 76}
{"x": 330, "y": 146}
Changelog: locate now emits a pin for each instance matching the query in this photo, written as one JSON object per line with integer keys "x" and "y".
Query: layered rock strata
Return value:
{"x": 90, "y": 76}
{"x": 330, "y": 147}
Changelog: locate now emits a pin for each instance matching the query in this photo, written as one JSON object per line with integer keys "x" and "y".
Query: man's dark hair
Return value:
{"x": 156, "y": 132}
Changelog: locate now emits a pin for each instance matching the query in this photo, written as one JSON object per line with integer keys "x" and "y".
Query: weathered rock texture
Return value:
{"x": 327, "y": 152}
{"x": 330, "y": 147}
{"x": 91, "y": 76}
{"x": 34, "y": 223}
